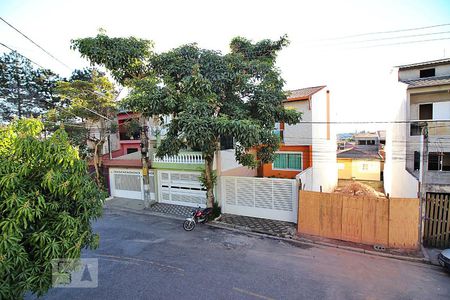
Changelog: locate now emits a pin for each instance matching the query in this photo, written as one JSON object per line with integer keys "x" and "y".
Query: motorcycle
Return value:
{"x": 197, "y": 216}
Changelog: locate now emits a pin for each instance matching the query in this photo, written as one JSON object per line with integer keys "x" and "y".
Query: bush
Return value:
{"x": 47, "y": 203}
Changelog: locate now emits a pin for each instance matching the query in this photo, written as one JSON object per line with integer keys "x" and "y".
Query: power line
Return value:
{"x": 386, "y": 38}
{"x": 383, "y": 32}
{"x": 25, "y": 36}
{"x": 402, "y": 43}
{"x": 374, "y": 122}
{"x": 21, "y": 55}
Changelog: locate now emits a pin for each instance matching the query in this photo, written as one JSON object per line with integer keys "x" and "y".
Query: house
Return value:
{"x": 307, "y": 150}
{"x": 365, "y": 159}
{"x": 359, "y": 164}
{"x": 423, "y": 100}
{"x": 173, "y": 180}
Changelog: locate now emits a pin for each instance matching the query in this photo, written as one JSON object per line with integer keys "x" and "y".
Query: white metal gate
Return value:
{"x": 269, "y": 198}
{"x": 181, "y": 188}
{"x": 127, "y": 183}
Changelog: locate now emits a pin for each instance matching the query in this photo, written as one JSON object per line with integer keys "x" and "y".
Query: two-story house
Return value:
{"x": 423, "y": 103}
{"x": 307, "y": 150}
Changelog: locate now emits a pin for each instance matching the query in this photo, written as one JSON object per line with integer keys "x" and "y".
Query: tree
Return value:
{"x": 47, "y": 203}
{"x": 209, "y": 95}
{"x": 25, "y": 91}
{"x": 91, "y": 100}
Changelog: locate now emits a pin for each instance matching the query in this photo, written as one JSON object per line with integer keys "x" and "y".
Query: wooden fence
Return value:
{"x": 436, "y": 232}
{"x": 391, "y": 222}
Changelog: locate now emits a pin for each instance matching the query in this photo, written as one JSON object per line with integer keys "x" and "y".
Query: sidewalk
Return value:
{"x": 266, "y": 226}
{"x": 134, "y": 205}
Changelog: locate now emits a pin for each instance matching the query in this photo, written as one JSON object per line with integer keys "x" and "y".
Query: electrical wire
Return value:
{"x": 36, "y": 44}
{"x": 383, "y": 32}
{"x": 11, "y": 49}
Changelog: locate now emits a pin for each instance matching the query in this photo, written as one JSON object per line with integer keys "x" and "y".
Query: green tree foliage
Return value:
{"x": 125, "y": 58}
{"x": 47, "y": 203}
{"x": 89, "y": 102}
{"x": 25, "y": 91}
{"x": 209, "y": 95}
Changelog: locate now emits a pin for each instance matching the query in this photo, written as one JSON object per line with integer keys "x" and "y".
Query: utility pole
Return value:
{"x": 422, "y": 178}
{"x": 144, "y": 159}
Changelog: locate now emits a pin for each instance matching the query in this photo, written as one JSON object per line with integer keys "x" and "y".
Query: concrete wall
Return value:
{"x": 299, "y": 134}
{"x": 415, "y": 73}
{"x": 353, "y": 169}
{"x": 324, "y": 163}
{"x": 372, "y": 172}
{"x": 397, "y": 181}
{"x": 230, "y": 167}
{"x": 344, "y": 168}
{"x": 268, "y": 171}
{"x": 305, "y": 179}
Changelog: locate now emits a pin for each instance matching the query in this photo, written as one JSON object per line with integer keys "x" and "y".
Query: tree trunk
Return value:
{"x": 209, "y": 180}
{"x": 97, "y": 162}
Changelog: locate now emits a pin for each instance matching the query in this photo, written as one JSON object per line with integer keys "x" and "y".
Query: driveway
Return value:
{"x": 149, "y": 257}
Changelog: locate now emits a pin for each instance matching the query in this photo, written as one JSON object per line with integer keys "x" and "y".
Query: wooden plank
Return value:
{"x": 439, "y": 222}
{"x": 382, "y": 219}
{"x": 431, "y": 218}
{"x": 352, "y": 213}
{"x": 308, "y": 212}
{"x": 369, "y": 220}
{"x": 447, "y": 235}
{"x": 427, "y": 221}
{"x": 435, "y": 221}
{"x": 331, "y": 215}
{"x": 403, "y": 223}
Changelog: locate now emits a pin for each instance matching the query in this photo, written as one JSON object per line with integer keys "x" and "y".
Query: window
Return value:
{"x": 365, "y": 167}
{"x": 433, "y": 161}
{"x": 427, "y": 73}
{"x": 131, "y": 150}
{"x": 439, "y": 161}
{"x": 426, "y": 111}
{"x": 416, "y": 160}
{"x": 288, "y": 161}
{"x": 446, "y": 161}
{"x": 279, "y": 130}
{"x": 362, "y": 142}
{"x": 226, "y": 142}
{"x": 416, "y": 128}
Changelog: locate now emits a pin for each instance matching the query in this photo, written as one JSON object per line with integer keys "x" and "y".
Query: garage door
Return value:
{"x": 181, "y": 188}
{"x": 269, "y": 198}
{"x": 127, "y": 183}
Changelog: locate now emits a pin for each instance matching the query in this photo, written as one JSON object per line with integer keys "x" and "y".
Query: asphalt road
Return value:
{"x": 148, "y": 257}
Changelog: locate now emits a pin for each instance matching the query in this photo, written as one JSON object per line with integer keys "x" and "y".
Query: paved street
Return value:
{"x": 148, "y": 257}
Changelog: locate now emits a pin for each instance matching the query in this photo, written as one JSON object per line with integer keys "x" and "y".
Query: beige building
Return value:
{"x": 423, "y": 101}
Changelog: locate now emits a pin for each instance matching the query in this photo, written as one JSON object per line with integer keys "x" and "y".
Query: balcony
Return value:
{"x": 182, "y": 161}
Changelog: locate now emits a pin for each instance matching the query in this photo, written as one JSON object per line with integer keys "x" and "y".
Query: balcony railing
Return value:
{"x": 181, "y": 158}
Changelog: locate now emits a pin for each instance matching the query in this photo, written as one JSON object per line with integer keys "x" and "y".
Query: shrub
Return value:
{"x": 47, "y": 203}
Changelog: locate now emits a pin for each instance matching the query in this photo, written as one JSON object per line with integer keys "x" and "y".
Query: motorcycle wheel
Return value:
{"x": 188, "y": 225}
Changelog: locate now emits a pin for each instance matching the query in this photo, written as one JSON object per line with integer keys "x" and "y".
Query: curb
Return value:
{"x": 303, "y": 242}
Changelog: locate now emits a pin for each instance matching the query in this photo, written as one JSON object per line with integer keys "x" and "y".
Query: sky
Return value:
{"x": 356, "y": 70}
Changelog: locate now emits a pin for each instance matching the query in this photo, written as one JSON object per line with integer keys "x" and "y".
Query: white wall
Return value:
{"x": 324, "y": 163}
{"x": 305, "y": 178}
{"x": 299, "y": 134}
{"x": 397, "y": 181}
{"x": 230, "y": 167}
